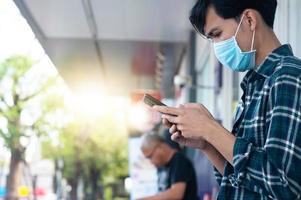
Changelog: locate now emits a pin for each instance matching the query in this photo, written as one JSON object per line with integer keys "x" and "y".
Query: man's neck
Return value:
{"x": 268, "y": 42}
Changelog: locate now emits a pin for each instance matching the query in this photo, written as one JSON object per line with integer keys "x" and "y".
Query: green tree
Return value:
{"x": 26, "y": 101}
{"x": 68, "y": 150}
{"x": 94, "y": 151}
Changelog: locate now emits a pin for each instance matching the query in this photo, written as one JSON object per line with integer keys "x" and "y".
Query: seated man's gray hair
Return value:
{"x": 150, "y": 139}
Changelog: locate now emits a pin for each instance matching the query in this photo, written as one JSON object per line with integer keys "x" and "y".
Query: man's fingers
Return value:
{"x": 192, "y": 105}
{"x": 166, "y": 123}
{"x": 168, "y": 110}
{"x": 171, "y": 119}
{"x": 200, "y": 107}
{"x": 176, "y": 136}
{"x": 173, "y": 129}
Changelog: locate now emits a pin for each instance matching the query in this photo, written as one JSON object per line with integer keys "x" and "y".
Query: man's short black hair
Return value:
{"x": 232, "y": 9}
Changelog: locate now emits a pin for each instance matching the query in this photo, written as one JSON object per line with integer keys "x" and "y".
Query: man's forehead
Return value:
{"x": 149, "y": 147}
{"x": 212, "y": 20}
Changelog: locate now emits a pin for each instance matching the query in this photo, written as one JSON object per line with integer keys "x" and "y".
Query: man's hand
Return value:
{"x": 218, "y": 148}
{"x": 193, "y": 143}
{"x": 192, "y": 121}
{"x": 178, "y": 137}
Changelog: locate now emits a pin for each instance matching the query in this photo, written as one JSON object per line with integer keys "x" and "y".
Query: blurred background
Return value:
{"x": 73, "y": 73}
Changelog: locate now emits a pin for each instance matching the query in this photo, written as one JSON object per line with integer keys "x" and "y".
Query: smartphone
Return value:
{"x": 152, "y": 101}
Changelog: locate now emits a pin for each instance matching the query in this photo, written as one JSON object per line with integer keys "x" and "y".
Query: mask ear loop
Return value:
{"x": 253, "y": 39}
{"x": 239, "y": 26}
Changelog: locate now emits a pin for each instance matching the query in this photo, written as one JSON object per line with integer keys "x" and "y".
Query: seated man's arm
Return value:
{"x": 175, "y": 192}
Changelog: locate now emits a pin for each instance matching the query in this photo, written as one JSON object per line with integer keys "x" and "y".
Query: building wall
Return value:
{"x": 288, "y": 24}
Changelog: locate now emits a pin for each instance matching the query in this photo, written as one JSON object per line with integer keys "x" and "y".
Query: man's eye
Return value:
{"x": 216, "y": 34}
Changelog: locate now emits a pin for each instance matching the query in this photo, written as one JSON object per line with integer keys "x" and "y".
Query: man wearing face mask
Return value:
{"x": 261, "y": 156}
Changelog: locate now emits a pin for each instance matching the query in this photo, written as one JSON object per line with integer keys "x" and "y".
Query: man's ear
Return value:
{"x": 252, "y": 18}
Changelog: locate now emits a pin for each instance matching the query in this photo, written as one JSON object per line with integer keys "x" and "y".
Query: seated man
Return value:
{"x": 177, "y": 179}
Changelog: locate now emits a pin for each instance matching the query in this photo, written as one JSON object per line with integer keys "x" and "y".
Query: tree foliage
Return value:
{"x": 96, "y": 148}
{"x": 28, "y": 102}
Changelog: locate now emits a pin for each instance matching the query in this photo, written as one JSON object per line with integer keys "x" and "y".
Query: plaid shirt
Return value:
{"x": 267, "y": 126}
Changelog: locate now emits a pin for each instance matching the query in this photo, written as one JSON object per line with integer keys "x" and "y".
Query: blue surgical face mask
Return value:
{"x": 229, "y": 53}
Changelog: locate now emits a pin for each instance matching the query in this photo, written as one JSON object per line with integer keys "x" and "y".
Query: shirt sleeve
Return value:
{"x": 218, "y": 176}
{"x": 274, "y": 169}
